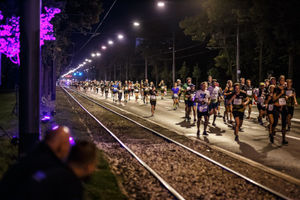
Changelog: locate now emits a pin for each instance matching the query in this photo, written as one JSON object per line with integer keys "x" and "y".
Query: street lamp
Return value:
{"x": 136, "y": 24}
{"x": 110, "y": 42}
{"x": 103, "y": 47}
{"x": 98, "y": 54}
{"x": 120, "y": 36}
{"x": 161, "y": 4}
{"x": 93, "y": 55}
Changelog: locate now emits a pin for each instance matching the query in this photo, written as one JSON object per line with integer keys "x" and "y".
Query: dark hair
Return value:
{"x": 82, "y": 153}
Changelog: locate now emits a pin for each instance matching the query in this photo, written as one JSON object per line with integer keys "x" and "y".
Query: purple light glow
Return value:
{"x": 72, "y": 141}
{"x": 10, "y": 33}
{"x": 45, "y": 118}
{"x": 55, "y": 127}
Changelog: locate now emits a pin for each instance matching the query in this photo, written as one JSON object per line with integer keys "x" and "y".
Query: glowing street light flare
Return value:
{"x": 98, "y": 54}
{"x": 110, "y": 42}
{"x": 136, "y": 24}
{"x": 120, "y": 36}
{"x": 93, "y": 55}
{"x": 160, "y": 4}
{"x": 103, "y": 47}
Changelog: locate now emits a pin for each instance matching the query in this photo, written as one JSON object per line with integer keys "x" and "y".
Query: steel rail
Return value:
{"x": 160, "y": 179}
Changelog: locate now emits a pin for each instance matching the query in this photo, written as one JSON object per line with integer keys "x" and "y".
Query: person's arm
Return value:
{"x": 246, "y": 102}
{"x": 295, "y": 99}
{"x": 275, "y": 96}
{"x": 225, "y": 92}
{"x": 231, "y": 99}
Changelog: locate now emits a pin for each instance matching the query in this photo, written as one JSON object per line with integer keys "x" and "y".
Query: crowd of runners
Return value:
{"x": 275, "y": 100}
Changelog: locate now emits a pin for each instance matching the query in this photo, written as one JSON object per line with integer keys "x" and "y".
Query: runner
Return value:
{"x": 175, "y": 92}
{"x": 221, "y": 99}
{"x": 260, "y": 96}
{"x": 270, "y": 111}
{"x": 153, "y": 94}
{"x": 192, "y": 101}
{"x": 126, "y": 91}
{"x": 291, "y": 101}
{"x": 136, "y": 90}
{"x": 209, "y": 81}
{"x": 239, "y": 101}
{"x": 187, "y": 95}
{"x": 215, "y": 94}
{"x": 146, "y": 88}
{"x": 106, "y": 89}
{"x": 102, "y": 87}
{"x": 249, "y": 91}
{"x": 228, "y": 92}
{"x": 163, "y": 88}
{"x": 120, "y": 91}
{"x": 202, "y": 97}
{"x": 279, "y": 99}
{"x": 115, "y": 91}
{"x": 181, "y": 90}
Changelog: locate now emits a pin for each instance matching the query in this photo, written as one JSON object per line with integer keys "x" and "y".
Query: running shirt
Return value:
{"x": 175, "y": 92}
{"x": 187, "y": 89}
{"x": 238, "y": 102}
{"x": 153, "y": 94}
{"x": 162, "y": 87}
{"x": 249, "y": 91}
{"x": 115, "y": 87}
{"x": 229, "y": 92}
{"x": 214, "y": 93}
{"x": 136, "y": 87}
{"x": 281, "y": 101}
{"x": 290, "y": 101}
{"x": 261, "y": 97}
{"x": 202, "y": 97}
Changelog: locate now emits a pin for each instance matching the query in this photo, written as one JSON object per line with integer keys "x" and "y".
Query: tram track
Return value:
{"x": 173, "y": 147}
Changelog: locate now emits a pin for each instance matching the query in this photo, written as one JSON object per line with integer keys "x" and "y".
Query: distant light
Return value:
{"x": 161, "y": 4}
{"x": 55, "y": 127}
{"x": 93, "y": 55}
{"x": 120, "y": 36}
{"x": 98, "y": 54}
{"x": 80, "y": 74}
{"x": 103, "y": 47}
{"x": 110, "y": 42}
{"x": 84, "y": 63}
{"x": 136, "y": 24}
{"x": 89, "y": 61}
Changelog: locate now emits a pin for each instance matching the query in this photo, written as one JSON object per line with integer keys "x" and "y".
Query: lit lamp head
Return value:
{"x": 110, "y": 42}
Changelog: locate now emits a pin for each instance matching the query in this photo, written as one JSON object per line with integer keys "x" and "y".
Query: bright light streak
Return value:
{"x": 103, "y": 47}
{"x": 93, "y": 55}
{"x": 98, "y": 54}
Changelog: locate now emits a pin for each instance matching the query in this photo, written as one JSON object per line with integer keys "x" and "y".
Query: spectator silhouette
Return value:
{"x": 50, "y": 153}
{"x": 64, "y": 183}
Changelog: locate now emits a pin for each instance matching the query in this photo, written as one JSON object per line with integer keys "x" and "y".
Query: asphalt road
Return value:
{"x": 254, "y": 142}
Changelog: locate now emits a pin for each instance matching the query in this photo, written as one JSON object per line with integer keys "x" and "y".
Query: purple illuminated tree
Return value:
{"x": 10, "y": 34}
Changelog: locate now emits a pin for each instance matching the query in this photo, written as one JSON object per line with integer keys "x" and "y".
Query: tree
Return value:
{"x": 183, "y": 72}
{"x": 196, "y": 74}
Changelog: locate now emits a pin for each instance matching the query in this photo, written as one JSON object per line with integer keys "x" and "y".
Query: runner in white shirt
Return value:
{"x": 202, "y": 97}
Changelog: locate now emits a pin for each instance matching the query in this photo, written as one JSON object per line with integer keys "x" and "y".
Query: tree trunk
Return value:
{"x": 260, "y": 61}
{"x": 291, "y": 64}
{"x": 156, "y": 74}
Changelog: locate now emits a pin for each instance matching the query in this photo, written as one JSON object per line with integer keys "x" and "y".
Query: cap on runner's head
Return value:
{"x": 178, "y": 80}
{"x": 261, "y": 84}
{"x": 272, "y": 78}
{"x": 188, "y": 78}
{"x": 214, "y": 80}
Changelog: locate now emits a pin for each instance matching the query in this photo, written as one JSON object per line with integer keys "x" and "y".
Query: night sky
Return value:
{"x": 124, "y": 13}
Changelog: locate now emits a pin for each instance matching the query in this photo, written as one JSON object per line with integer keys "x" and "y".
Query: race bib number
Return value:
{"x": 136, "y": 90}
{"x": 249, "y": 92}
{"x": 153, "y": 97}
{"x": 237, "y": 102}
{"x": 203, "y": 108}
{"x": 260, "y": 100}
{"x": 282, "y": 101}
{"x": 126, "y": 88}
{"x": 146, "y": 89}
{"x": 192, "y": 96}
{"x": 270, "y": 107}
{"x": 188, "y": 88}
{"x": 175, "y": 95}
{"x": 289, "y": 92}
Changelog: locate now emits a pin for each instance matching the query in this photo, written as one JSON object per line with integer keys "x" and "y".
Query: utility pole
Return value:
{"x": 173, "y": 65}
{"x": 146, "y": 67}
{"x": 30, "y": 72}
{"x": 238, "y": 71}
